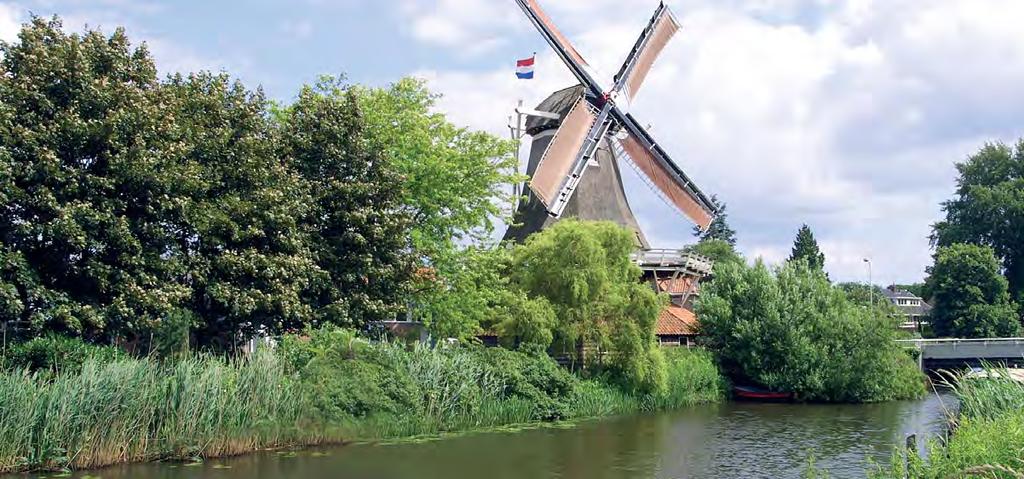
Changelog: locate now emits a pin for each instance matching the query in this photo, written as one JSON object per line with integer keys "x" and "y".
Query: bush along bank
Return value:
{"x": 327, "y": 386}
{"x": 789, "y": 329}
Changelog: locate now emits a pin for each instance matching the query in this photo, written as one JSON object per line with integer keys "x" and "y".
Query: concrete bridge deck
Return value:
{"x": 949, "y": 352}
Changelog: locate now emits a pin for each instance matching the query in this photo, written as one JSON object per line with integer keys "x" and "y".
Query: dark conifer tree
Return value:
{"x": 806, "y": 247}
{"x": 719, "y": 228}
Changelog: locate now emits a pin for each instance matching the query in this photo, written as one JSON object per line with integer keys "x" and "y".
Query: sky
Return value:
{"x": 848, "y": 115}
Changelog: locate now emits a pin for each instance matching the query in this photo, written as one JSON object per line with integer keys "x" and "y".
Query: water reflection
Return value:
{"x": 727, "y": 440}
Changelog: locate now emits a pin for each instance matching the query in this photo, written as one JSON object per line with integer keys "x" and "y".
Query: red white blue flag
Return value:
{"x": 524, "y": 69}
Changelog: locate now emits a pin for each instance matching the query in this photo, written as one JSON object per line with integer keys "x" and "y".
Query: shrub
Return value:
{"x": 59, "y": 353}
{"x": 791, "y": 330}
{"x": 693, "y": 378}
{"x": 346, "y": 389}
{"x": 532, "y": 376}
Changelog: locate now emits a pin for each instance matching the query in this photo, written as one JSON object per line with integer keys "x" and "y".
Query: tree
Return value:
{"x": 135, "y": 208}
{"x": 583, "y": 270}
{"x": 790, "y": 330}
{"x": 240, "y": 228}
{"x": 358, "y": 228}
{"x": 478, "y": 297}
{"x": 988, "y": 209}
{"x": 719, "y": 228}
{"x": 970, "y": 298}
{"x": 805, "y": 247}
{"x": 89, "y": 192}
{"x": 456, "y": 181}
{"x": 718, "y": 251}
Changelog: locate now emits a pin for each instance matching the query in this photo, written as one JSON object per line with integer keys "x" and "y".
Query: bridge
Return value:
{"x": 951, "y": 352}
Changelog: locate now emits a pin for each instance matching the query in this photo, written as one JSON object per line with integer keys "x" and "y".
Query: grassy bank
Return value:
{"x": 988, "y": 439}
{"x": 330, "y": 387}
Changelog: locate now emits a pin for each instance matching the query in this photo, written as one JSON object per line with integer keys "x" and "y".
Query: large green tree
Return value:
{"x": 805, "y": 248}
{"x": 969, "y": 296}
{"x": 457, "y": 181}
{"x": 988, "y": 209}
{"x": 240, "y": 228}
{"x": 357, "y": 226}
{"x": 790, "y": 330}
{"x": 584, "y": 271}
{"x": 87, "y": 185}
{"x": 130, "y": 202}
{"x": 719, "y": 228}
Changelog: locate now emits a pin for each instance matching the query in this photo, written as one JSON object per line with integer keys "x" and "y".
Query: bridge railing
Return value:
{"x": 967, "y": 349}
{"x": 958, "y": 341}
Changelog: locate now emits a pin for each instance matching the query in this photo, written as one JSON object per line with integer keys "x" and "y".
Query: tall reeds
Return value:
{"x": 136, "y": 410}
{"x": 988, "y": 440}
{"x": 305, "y": 393}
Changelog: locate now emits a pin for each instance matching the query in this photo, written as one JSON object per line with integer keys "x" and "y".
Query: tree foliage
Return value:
{"x": 790, "y": 330}
{"x": 805, "y": 248}
{"x": 479, "y": 297}
{"x": 988, "y": 209}
{"x": 358, "y": 227}
{"x": 457, "y": 181}
{"x": 86, "y": 183}
{"x": 583, "y": 270}
{"x": 970, "y": 298}
{"x": 719, "y": 228}
{"x": 130, "y": 201}
{"x": 717, "y": 250}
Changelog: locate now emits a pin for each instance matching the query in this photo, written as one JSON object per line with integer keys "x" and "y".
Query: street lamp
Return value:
{"x": 871, "y": 288}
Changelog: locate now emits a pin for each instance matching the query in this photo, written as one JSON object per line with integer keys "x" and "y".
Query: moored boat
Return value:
{"x": 754, "y": 393}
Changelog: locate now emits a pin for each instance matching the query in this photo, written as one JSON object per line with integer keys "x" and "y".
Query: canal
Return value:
{"x": 742, "y": 440}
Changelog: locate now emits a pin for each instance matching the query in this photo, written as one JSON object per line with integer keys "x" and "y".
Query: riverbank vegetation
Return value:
{"x": 987, "y": 437}
{"x": 789, "y": 329}
{"x": 325, "y": 386}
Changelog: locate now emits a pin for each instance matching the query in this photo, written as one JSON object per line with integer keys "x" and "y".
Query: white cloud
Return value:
{"x": 849, "y": 121}
{"x": 472, "y": 27}
{"x": 11, "y": 19}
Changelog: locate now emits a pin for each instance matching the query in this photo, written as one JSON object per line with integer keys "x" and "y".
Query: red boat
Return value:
{"x": 758, "y": 394}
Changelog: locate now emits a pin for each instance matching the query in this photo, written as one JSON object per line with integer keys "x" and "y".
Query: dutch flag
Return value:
{"x": 524, "y": 68}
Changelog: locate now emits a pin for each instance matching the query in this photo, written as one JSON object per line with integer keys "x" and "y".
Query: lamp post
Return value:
{"x": 871, "y": 288}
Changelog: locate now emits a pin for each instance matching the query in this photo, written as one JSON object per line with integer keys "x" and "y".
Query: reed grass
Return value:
{"x": 131, "y": 410}
{"x": 138, "y": 410}
{"x": 988, "y": 439}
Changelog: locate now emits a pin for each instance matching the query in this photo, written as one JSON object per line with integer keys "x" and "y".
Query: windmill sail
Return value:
{"x": 662, "y": 27}
{"x": 562, "y": 46}
{"x": 556, "y": 165}
{"x": 667, "y": 181}
{"x": 562, "y": 166}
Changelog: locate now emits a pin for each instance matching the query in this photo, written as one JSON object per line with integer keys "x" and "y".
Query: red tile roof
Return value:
{"x": 676, "y": 321}
{"x": 678, "y": 285}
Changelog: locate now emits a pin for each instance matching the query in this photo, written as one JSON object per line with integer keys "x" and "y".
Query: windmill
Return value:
{"x": 580, "y": 133}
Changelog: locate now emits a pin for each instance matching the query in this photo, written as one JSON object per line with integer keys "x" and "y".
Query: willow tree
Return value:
{"x": 583, "y": 270}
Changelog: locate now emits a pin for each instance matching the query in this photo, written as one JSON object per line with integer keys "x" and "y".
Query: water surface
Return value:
{"x": 743, "y": 440}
